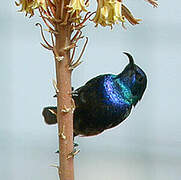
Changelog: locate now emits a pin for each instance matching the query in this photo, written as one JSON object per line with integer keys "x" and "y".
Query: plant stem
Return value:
{"x": 64, "y": 100}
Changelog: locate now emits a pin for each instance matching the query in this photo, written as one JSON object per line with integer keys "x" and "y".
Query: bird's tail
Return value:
{"x": 50, "y": 115}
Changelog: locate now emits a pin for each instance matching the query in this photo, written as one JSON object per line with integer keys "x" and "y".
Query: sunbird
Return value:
{"x": 104, "y": 101}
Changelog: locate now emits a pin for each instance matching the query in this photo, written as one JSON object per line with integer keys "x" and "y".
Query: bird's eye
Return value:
{"x": 140, "y": 79}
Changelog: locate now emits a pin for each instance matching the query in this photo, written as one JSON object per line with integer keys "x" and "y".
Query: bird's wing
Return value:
{"x": 88, "y": 92}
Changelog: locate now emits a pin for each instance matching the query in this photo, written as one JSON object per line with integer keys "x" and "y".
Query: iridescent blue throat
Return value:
{"x": 116, "y": 91}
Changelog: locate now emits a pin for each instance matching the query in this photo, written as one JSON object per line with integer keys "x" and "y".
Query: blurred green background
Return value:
{"x": 147, "y": 146}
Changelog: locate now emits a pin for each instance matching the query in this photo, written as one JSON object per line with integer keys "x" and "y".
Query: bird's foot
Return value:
{"x": 74, "y": 93}
{"x": 75, "y": 145}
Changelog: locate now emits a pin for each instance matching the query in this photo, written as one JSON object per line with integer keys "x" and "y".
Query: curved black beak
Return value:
{"x": 131, "y": 61}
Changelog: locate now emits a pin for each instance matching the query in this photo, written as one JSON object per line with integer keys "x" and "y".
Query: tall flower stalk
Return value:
{"x": 64, "y": 20}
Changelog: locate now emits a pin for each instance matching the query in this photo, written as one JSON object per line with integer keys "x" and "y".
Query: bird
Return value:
{"x": 104, "y": 101}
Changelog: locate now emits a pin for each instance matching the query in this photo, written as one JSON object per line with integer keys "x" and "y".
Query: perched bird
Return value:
{"x": 104, "y": 101}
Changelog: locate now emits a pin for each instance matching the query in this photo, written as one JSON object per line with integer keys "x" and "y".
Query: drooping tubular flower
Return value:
{"x": 110, "y": 12}
{"x": 29, "y": 6}
{"x": 76, "y": 6}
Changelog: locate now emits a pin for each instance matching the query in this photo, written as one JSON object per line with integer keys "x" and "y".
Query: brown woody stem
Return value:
{"x": 64, "y": 99}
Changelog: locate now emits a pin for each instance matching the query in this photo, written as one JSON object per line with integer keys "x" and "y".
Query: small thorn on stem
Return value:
{"x": 62, "y": 133}
{"x": 72, "y": 154}
{"x": 65, "y": 109}
{"x": 55, "y": 86}
{"x": 54, "y": 165}
{"x": 72, "y": 108}
{"x": 59, "y": 58}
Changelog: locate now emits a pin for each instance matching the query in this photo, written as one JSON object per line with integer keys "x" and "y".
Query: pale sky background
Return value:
{"x": 147, "y": 146}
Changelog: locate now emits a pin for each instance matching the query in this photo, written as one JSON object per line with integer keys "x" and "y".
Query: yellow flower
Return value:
{"x": 115, "y": 12}
{"x": 108, "y": 13}
{"x": 29, "y": 6}
{"x": 76, "y": 6}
